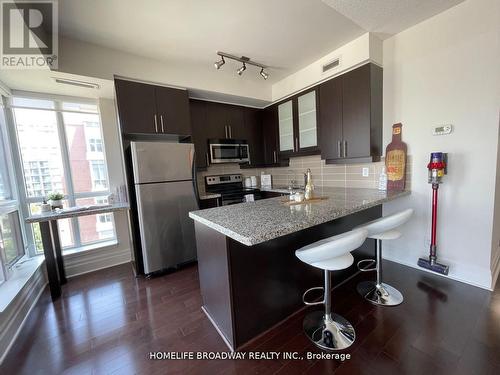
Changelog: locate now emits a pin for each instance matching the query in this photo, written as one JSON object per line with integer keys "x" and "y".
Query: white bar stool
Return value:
{"x": 327, "y": 330}
{"x": 378, "y": 292}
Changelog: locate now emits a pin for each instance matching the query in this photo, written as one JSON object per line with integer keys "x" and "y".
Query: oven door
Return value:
{"x": 224, "y": 153}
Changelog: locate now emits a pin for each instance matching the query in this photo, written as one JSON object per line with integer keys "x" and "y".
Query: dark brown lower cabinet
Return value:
{"x": 271, "y": 194}
{"x": 210, "y": 203}
{"x": 249, "y": 289}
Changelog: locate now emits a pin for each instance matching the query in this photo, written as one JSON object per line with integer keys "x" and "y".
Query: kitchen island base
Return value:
{"x": 247, "y": 290}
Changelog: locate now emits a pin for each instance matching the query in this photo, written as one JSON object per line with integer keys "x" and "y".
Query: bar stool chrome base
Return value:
{"x": 332, "y": 333}
{"x": 382, "y": 294}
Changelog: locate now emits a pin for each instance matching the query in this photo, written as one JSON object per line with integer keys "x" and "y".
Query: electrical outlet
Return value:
{"x": 365, "y": 172}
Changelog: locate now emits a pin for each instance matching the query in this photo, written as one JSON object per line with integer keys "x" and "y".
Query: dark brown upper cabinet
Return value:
{"x": 172, "y": 106}
{"x": 350, "y": 116}
{"x": 150, "y": 109}
{"x": 136, "y": 107}
{"x": 297, "y": 124}
{"x": 212, "y": 120}
{"x": 270, "y": 135}
{"x": 252, "y": 133}
{"x": 200, "y": 131}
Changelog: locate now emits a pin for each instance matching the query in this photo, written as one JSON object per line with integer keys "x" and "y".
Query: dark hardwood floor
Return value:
{"x": 108, "y": 321}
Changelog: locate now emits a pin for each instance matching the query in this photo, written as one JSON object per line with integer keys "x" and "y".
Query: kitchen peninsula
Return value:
{"x": 250, "y": 279}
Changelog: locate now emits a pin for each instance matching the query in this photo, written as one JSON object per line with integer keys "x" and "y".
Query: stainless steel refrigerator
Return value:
{"x": 164, "y": 182}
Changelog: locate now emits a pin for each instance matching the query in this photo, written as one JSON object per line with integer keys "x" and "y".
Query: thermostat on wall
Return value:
{"x": 442, "y": 130}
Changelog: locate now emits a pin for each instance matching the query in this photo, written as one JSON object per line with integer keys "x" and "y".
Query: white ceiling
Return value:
{"x": 284, "y": 34}
{"x": 388, "y": 17}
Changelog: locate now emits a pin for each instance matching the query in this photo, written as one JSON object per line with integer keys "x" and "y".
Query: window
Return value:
{"x": 11, "y": 235}
{"x": 62, "y": 150}
{"x": 95, "y": 145}
{"x": 99, "y": 179}
{"x": 5, "y": 191}
{"x": 10, "y": 238}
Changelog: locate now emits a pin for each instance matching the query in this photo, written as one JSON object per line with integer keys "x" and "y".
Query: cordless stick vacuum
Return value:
{"x": 437, "y": 169}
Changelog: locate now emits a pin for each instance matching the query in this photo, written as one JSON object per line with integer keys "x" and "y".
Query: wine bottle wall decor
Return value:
{"x": 395, "y": 160}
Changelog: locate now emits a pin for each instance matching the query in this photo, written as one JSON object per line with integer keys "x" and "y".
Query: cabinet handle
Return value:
{"x": 339, "y": 147}
{"x": 225, "y": 131}
{"x": 275, "y": 157}
{"x": 161, "y": 122}
{"x": 296, "y": 144}
{"x": 345, "y": 149}
{"x": 230, "y": 131}
{"x": 208, "y": 160}
{"x": 156, "y": 123}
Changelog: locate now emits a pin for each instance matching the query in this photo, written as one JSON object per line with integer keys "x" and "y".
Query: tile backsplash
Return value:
{"x": 329, "y": 175}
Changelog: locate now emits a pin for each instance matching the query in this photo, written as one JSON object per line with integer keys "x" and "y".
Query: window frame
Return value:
{"x": 12, "y": 205}
{"x": 71, "y": 195}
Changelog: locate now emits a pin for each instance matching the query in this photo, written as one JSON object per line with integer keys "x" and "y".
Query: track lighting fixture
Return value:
{"x": 218, "y": 64}
{"x": 263, "y": 74}
{"x": 242, "y": 69}
{"x": 244, "y": 60}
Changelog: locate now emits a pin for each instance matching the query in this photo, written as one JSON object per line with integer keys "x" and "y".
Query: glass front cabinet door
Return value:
{"x": 307, "y": 130}
{"x": 285, "y": 120}
{"x": 297, "y": 124}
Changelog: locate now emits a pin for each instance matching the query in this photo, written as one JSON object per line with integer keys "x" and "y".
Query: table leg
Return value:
{"x": 50, "y": 260}
{"x": 57, "y": 249}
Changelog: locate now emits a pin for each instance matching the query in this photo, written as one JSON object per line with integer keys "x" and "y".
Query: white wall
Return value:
{"x": 90, "y": 60}
{"x": 446, "y": 70}
{"x": 365, "y": 48}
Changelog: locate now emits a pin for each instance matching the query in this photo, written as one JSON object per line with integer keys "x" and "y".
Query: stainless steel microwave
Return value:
{"x": 228, "y": 151}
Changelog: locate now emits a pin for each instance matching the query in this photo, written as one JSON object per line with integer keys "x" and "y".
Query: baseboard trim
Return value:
{"x": 495, "y": 270}
{"x": 415, "y": 266}
{"x": 39, "y": 279}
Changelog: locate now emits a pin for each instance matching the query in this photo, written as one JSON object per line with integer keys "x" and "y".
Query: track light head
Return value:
{"x": 264, "y": 74}
{"x": 218, "y": 64}
{"x": 242, "y": 69}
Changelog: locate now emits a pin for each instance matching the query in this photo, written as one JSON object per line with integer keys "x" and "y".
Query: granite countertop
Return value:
{"x": 75, "y": 212}
{"x": 263, "y": 220}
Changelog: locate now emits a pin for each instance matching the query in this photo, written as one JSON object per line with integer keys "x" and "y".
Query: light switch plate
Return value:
{"x": 442, "y": 129}
{"x": 365, "y": 172}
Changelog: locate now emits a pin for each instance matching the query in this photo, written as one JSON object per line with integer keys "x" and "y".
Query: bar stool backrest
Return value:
{"x": 387, "y": 223}
{"x": 332, "y": 247}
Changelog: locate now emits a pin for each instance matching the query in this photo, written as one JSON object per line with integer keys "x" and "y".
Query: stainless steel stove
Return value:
{"x": 230, "y": 187}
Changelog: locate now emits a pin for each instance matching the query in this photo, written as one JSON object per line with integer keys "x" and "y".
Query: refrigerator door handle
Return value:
{"x": 195, "y": 178}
